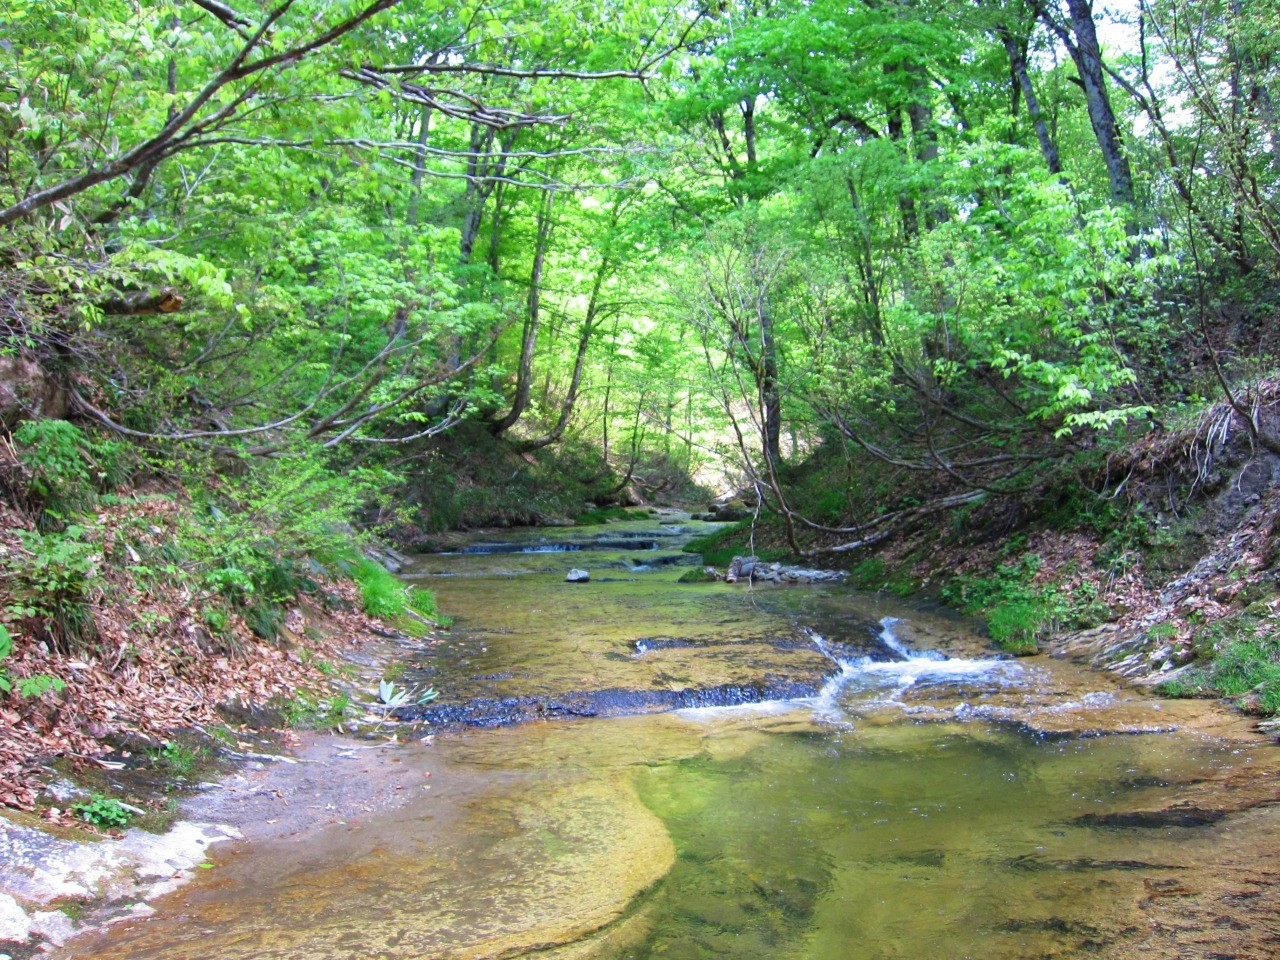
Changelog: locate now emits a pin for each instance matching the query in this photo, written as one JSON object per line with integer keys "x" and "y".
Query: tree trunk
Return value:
{"x": 1087, "y": 56}
{"x": 1018, "y": 65}
{"x": 767, "y": 383}
{"x": 524, "y": 373}
{"x": 907, "y": 206}
{"x": 575, "y": 383}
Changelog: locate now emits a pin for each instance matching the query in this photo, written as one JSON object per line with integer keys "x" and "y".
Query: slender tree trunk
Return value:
{"x": 584, "y": 344}
{"x": 475, "y": 195}
{"x": 495, "y": 230}
{"x": 1087, "y": 56}
{"x": 906, "y": 205}
{"x": 524, "y": 373}
{"x": 419, "y": 166}
{"x": 924, "y": 131}
{"x": 1016, "y": 51}
{"x": 767, "y": 383}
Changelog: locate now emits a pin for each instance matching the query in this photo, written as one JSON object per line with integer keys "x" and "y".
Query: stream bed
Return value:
{"x": 638, "y": 768}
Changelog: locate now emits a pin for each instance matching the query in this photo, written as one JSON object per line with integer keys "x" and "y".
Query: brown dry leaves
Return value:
{"x": 151, "y": 668}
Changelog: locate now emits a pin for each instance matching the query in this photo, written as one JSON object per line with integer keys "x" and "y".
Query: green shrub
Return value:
{"x": 65, "y": 467}
{"x": 50, "y": 581}
{"x": 102, "y": 811}
{"x": 1017, "y": 611}
{"x": 33, "y": 686}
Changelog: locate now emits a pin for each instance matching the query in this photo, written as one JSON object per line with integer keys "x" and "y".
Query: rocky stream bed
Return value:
{"x": 751, "y": 769}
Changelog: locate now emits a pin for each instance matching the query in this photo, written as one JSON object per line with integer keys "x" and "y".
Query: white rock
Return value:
{"x": 54, "y": 925}
{"x": 14, "y": 922}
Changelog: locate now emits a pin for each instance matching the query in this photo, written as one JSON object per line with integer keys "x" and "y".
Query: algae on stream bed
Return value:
{"x": 914, "y": 807}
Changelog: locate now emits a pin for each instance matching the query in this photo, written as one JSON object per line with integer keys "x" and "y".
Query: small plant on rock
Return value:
{"x": 100, "y": 811}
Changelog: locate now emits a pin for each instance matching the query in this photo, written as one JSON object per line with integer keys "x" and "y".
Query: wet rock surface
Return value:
{"x": 753, "y": 570}
{"x": 606, "y": 703}
{"x": 42, "y": 874}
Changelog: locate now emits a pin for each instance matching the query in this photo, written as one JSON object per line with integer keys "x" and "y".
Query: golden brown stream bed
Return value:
{"x": 915, "y": 807}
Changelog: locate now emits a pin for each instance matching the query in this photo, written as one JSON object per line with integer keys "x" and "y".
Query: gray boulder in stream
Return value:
{"x": 577, "y": 576}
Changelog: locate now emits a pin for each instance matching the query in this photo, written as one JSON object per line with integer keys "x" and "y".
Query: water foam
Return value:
{"x": 883, "y": 681}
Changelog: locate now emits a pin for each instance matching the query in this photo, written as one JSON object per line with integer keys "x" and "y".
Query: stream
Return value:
{"x": 639, "y": 768}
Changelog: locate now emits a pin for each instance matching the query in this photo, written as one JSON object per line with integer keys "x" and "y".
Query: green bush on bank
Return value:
{"x": 719, "y": 548}
{"x": 246, "y": 543}
{"x": 1238, "y": 658}
{"x": 1018, "y": 613}
{"x": 65, "y": 469}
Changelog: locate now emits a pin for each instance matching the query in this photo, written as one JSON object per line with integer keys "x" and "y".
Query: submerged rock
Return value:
{"x": 577, "y": 576}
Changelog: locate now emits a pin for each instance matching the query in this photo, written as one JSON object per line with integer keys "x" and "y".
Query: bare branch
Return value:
{"x": 224, "y": 13}
{"x": 239, "y": 68}
{"x": 493, "y": 70}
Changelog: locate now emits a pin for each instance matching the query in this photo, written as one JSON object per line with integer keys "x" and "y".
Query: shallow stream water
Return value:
{"x": 738, "y": 772}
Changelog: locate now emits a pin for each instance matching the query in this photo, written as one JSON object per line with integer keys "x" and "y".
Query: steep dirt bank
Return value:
{"x": 1156, "y": 560}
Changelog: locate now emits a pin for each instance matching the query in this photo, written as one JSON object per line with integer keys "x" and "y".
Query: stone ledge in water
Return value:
{"x": 753, "y": 570}
{"x": 41, "y": 871}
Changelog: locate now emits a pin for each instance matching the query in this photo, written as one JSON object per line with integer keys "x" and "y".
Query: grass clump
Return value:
{"x": 697, "y": 575}
{"x": 423, "y": 602}
{"x": 306, "y": 711}
{"x": 605, "y": 514}
{"x": 1017, "y": 612}
{"x": 1239, "y": 658}
{"x": 381, "y": 594}
{"x": 179, "y": 758}
{"x": 1016, "y": 624}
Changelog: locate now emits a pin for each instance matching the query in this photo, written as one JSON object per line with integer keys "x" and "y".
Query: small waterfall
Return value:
{"x": 872, "y": 681}
{"x": 881, "y": 682}
{"x": 890, "y": 640}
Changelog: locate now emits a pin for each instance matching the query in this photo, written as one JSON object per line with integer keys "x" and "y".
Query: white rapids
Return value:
{"x": 867, "y": 681}
{"x": 874, "y": 681}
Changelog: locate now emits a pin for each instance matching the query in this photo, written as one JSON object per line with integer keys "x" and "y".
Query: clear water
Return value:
{"x": 928, "y": 800}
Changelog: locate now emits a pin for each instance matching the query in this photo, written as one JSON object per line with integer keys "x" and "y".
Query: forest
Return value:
{"x": 277, "y": 278}
{"x": 972, "y": 306}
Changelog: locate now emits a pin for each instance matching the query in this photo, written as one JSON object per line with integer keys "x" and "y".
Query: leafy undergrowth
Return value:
{"x": 719, "y": 548}
{"x": 1237, "y": 657}
{"x": 151, "y": 654}
{"x": 130, "y": 612}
